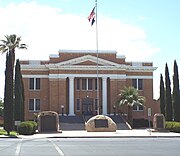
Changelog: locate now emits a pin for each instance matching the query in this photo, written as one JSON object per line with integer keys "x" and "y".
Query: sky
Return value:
{"x": 142, "y": 30}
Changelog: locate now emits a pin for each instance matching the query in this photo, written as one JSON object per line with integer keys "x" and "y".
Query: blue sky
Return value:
{"x": 142, "y": 30}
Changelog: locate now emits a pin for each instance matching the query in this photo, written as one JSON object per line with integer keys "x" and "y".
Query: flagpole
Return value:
{"x": 97, "y": 55}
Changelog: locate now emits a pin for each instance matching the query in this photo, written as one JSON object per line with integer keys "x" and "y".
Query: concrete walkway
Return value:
{"x": 135, "y": 133}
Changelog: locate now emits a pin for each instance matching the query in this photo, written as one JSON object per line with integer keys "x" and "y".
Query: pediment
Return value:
{"x": 88, "y": 63}
{"x": 88, "y": 60}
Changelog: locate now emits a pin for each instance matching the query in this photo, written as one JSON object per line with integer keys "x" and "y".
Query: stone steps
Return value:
{"x": 77, "y": 122}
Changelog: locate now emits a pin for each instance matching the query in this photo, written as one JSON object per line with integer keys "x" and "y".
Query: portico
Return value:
{"x": 95, "y": 97}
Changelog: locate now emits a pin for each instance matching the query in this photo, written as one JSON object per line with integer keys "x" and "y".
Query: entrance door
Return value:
{"x": 87, "y": 104}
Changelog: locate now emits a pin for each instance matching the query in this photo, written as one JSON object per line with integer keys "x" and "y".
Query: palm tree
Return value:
{"x": 10, "y": 44}
{"x": 130, "y": 97}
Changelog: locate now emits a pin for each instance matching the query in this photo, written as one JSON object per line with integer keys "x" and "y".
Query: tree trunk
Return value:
{"x": 130, "y": 114}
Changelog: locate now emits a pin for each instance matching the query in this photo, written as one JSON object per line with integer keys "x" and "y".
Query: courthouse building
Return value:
{"x": 76, "y": 82}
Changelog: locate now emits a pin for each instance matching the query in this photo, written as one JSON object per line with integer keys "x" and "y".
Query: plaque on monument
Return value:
{"x": 101, "y": 123}
{"x": 160, "y": 123}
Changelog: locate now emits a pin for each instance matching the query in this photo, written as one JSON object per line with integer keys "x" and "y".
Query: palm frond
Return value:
{"x": 130, "y": 97}
{"x": 11, "y": 42}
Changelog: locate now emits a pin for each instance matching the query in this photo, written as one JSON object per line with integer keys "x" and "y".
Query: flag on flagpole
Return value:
{"x": 91, "y": 16}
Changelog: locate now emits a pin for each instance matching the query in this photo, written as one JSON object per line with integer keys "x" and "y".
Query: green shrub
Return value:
{"x": 27, "y": 127}
{"x": 173, "y": 126}
{"x": 34, "y": 126}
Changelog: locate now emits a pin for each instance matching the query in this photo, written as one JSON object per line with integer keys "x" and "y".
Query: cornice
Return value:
{"x": 83, "y": 67}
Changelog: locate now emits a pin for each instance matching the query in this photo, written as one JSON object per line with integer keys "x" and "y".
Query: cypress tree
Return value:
{"x": 168, "y": 97}
{"x": 162, "y": 96}
{"x": 8, "y": 94}
{"x": 176, "y": 96}
{"x": 19, "y": 94}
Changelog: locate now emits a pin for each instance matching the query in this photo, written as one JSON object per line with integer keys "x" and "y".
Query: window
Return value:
{"x": 37, "y": 85}
{"x": 84, "y": 84}
{"x": 137, "y": 107}
{"x": 140, "y": 84}
{"x": 78, "y": 105}
{"x": 134, "y": 83}
{"x": 31, "y": 83}
{"x": 34, "y": 83}
{"x": 34, "y": 104}
{"x": 90, "y": 86}
{"x": 78, "y": 84}
{"x": 137, "y": 83}
{"x": 87, "y": 84}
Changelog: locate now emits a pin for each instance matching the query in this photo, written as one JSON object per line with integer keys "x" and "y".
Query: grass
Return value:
{"x": 12, "y": 134}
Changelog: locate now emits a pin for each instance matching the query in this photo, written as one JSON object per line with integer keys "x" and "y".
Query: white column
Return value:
{"x": 104, "y": 95}
{"x": 71, "y": 96}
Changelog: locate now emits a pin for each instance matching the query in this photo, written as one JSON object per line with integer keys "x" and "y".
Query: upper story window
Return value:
{"x": 87, "y": 84}
{"x": 34, "y": 83}
{"x": 90, "y": 84}
{"x": 137, "y": 83}
{"x": 84, "y": 84}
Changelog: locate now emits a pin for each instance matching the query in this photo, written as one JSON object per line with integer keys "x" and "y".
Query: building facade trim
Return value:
{"x": 111, "y": 76}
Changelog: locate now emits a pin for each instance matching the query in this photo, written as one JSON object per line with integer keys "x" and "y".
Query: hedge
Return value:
{"x": 173, "y": 126}
{"x": 27, "y": 128}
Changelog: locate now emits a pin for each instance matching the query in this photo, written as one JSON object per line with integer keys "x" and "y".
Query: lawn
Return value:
{"x": 3, "y": 132}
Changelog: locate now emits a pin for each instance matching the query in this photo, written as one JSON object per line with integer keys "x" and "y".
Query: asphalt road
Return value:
{"x": 90, "y": 147}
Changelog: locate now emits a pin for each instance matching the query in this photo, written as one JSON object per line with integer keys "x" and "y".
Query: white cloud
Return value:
{"x": 46, "y": 30}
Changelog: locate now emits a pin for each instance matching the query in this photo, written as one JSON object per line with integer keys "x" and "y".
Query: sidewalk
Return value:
{"x": 136, "y": 133}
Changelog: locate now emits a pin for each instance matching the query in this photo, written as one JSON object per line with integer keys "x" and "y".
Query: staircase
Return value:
{"x": 120, "y": 122}
{"x": 78, "y": 122}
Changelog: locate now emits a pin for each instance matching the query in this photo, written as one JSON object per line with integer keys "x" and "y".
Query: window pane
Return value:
{"x": 31, "y": 104}
{"x": 31, "y": 83}
{"x": 134, "y": 83}
{"x": 78, "y": 84}
{"x": 89, "y": 84}
{"x": 37, "y": 104}
{"x": 78, "y": 104}
{"x": 37, "y": 83}
{"x": 84, "y": 84}
{"x": 140, "y": 84}
{"x": 140, "y": 107}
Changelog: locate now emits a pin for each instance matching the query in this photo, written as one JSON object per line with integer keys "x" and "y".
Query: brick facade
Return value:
{"x": 68, "y": 83}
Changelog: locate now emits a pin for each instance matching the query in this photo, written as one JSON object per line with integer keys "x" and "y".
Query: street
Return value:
{"x": 90, "y": 147}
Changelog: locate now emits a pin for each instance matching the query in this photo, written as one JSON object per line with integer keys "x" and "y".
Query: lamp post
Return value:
{"x": 62, "y": 109}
